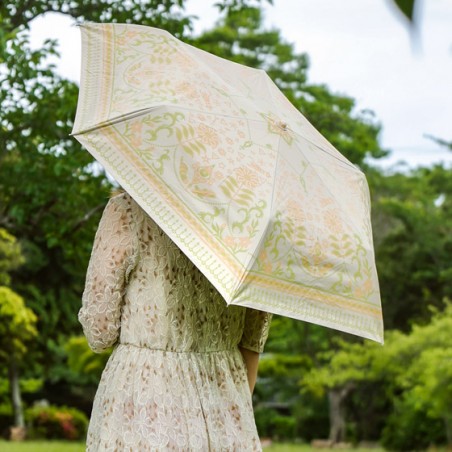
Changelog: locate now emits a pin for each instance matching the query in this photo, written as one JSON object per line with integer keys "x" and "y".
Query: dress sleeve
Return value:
{"x": 111, "y": 259}
{"x": 256, "y": 329}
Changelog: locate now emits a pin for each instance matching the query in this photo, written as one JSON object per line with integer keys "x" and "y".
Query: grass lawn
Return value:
{"x": 41, "y": 446}
{"x": 279, "y": 447}
{"x": 62, "y": 446}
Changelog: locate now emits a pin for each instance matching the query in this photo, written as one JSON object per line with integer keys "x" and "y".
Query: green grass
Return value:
{"x": 280, "y": 447}
{"x": 64, "y": 446}
{"x": 41, "y": 446}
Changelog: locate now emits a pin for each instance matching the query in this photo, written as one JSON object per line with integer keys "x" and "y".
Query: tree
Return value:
{"x": 10, "y": 256}
{"x": 412, "y": 222}
{"x": 51, "y": 191}
{"x": 17, "y": 328}
{"x": 239, "y": 36}
{"x": 415, "y": 366}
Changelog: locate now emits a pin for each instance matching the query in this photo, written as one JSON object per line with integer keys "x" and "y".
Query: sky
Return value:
{"x": 360, "y": 48}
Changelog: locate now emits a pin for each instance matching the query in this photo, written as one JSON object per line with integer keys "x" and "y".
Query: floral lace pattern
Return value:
{"x": 176, "y": 379}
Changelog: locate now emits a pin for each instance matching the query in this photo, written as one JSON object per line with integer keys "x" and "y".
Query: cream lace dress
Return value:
{"x": 176, "y": 379}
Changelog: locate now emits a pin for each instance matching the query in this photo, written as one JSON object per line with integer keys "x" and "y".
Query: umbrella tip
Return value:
{"x": 283, "y": 125}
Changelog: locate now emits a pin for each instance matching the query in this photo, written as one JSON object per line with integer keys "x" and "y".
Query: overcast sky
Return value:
{"x": 361, "y": 48}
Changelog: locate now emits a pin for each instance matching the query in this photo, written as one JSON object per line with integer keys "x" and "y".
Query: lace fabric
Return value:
{"x": 176, "y": 379}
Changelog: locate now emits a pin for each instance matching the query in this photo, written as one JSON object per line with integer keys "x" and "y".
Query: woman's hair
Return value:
{"x": 116, "y": 191}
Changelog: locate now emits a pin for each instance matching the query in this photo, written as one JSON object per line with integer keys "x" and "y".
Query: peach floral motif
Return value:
{"x": 202, "y": 174}
{"x": 364, "y": 289}
{"x": 240, "y": 242}
{"x": 259, "y": 169}
{"x": 265, "y": 262}
{"x": 136, "y": 137}
{"x": 208, "y": 136}
{"x": 295, "y": 211}
{"x": 188, "y": 89}
{"x": 218, "y": 175}
{"x": 247, "y": 177}
{"x": 229, "y": 241}
{"x": 126, "y": 37}
{"x": 332, "y": 222}
{"x": 317, "y": 262}
{"x": 244, "y": 242}
{"x": 206, "y": 97}
{"x": 183, "y": 61}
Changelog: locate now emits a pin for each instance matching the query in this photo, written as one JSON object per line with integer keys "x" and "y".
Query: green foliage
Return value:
{"x": 408, "y": 428}
{"x": 17, "y": 325}
{"x": 27, "y": 387}
{"x": 54, "y": 422}
{"x": 412, "y": 223}
{"x": 83, "y": 361}
{"x": 264, "y": 421}
{"x": 6, "y": 417}
{"x": 407, "y": 7}
{"x": 52, "y": 195}
{"x": 270, "y": 423}
{"x": 415, "y": 366}
{"x": 163, "y": 14}
{"x": 10, "y": 256}
{"x": 240, "y": 36}
{"x": 51, "y": 191}
{"x": 284, "y": 428}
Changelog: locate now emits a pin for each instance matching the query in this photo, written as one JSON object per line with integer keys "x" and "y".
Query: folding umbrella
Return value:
{"x": 272, "y": 214}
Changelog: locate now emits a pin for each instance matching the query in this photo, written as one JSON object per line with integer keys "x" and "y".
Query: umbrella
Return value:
{"x": 272, "y": 214}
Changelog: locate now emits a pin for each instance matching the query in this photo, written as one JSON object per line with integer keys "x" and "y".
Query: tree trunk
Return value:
{"x": 15, "y": 393}
{"x": 336, "y": 397}
{"x": 448, "y": 426}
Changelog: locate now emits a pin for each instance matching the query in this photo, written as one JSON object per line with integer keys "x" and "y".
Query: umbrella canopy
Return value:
{"x": 273, "y": 215}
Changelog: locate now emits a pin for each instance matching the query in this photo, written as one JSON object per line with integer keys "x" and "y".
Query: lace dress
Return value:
{"x": 176, "y": 379}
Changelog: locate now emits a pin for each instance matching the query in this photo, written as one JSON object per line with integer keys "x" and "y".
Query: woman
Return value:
{"x": 184, "y": 365}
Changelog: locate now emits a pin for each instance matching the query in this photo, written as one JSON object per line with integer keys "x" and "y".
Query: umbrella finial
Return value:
{"x": 283, "y": 125}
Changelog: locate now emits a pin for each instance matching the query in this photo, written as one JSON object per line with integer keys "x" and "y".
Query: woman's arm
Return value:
{"x": 252, "y": 361}
{"x": 111, "y": 258}
{"x": 255, "y": 332}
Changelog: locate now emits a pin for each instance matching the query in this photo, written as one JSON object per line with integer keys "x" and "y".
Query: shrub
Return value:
{"x": 264, "y": 421}
{"x": 284, "y": 428}
{"x": 52, "y": 422}
{"x": 410, "y": 429}
{"x": 270, "y": 423}
{"x": 6, "y": 418}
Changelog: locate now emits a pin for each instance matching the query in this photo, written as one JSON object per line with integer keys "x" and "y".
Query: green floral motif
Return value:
{"x": 188, "y": 140}
{"x": 167, "y": 121}
{"x": 130, "y": 43}
{"x": 235, "y": 192}
{"x": 253, "y": 226}
{"x": 197, "y": 183}
{"x": 281, "y": 247}
{"x": 209, "y": 219}
{"x": 342, "y": 246}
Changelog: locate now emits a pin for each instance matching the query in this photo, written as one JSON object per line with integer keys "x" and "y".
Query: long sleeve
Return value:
{"x": 256, "y": 329}
{"x": 111, "y": 260}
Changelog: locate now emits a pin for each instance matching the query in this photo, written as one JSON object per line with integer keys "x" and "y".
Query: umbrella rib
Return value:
{"x": 331, "y": 155}
{"x": 272, "y": 93}
{"x": 143, "y": 111}
{"x": 256, "y": 252}
{"x": 115, "y": 120}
